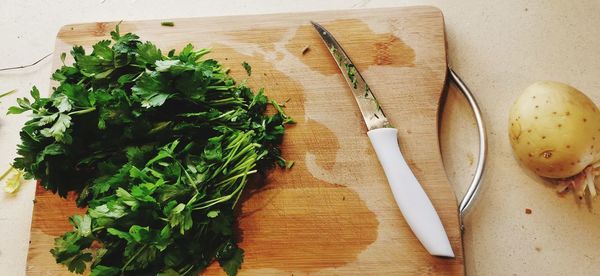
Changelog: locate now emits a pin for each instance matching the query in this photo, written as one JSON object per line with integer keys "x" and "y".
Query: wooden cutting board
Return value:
{"x": 333, "y": 212}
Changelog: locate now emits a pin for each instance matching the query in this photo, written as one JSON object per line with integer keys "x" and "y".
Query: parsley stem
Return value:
{"x": 223, "y": 115}
{"x": 225, "y": 101}
{"x": 8, "y": 93}
{"x": 277, "y": 107}
{"x": 133, "y": 258}
{"x": 244, "y": 151}
{"x": 160, "y": 126}
{"x": 212, "y": 202}
{"x": 220, "y": 87}
{"x": 203, "y": 51}
{"x": 247, "y": 172}
{"x": 185, "y": 270}
{"x": 243, "y": 185}
{"x": 236, "y": 143}
{"x": 83, "y": 111}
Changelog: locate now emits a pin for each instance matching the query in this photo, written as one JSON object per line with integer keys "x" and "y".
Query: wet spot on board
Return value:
{"x": 383, "y": 50}
{"x": 265, "y": 38}
{"x": 285, "y": 224}
{"x": 364, "y": 47}
{"x": 294, "y": 213}
{"x": 323, "y": 144}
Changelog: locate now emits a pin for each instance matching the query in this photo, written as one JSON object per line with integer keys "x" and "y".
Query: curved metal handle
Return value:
{"x": 475, "y": 185}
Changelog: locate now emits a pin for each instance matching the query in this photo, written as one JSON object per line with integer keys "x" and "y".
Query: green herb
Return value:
{"x": 159, "y": 148}
{"x": 14, "y": 182}
{"x": 167, "y": 24}
{"x": 247, "y": 67}
{"x": 351, "y": 72}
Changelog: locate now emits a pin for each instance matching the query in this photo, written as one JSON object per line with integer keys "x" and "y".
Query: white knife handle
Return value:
{"x": 410, "y": 196}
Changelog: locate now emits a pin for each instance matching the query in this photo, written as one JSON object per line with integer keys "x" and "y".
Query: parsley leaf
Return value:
{"x": 230, "y": 258}
{"x": 59, "y": 128}
{"x": 77, "y": 263}
{"x": 247, "y": 67}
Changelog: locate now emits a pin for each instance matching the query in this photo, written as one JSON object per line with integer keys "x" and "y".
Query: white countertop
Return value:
{"x": 498, "y": 48}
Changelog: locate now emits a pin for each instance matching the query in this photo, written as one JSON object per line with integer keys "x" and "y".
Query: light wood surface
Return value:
{"x": 333, "y": 212}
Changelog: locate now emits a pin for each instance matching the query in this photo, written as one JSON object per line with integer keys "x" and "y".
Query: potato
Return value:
{"x": 554, "y": 130}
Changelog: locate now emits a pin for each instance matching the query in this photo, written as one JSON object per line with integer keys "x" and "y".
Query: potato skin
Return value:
{"x": 554, "y": 129}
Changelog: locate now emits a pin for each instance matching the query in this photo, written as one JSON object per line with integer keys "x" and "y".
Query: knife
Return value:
{"x": 416, "y": 207}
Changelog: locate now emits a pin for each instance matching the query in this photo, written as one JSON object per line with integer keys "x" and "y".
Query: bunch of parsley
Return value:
{"x": 158, "y": 147}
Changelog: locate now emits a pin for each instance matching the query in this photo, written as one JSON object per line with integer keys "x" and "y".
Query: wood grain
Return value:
{"x": 333, "y": 213}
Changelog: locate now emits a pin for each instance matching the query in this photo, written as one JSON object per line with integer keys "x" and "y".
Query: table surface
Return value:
{"x": 498, "y": 48}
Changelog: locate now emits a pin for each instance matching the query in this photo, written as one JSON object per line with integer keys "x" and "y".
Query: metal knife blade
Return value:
{"x": 367, "y": 103}
{"x": 415, "y": 205}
